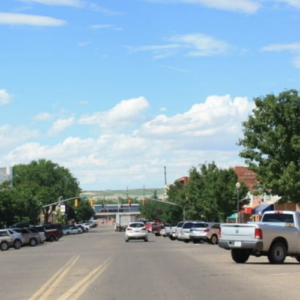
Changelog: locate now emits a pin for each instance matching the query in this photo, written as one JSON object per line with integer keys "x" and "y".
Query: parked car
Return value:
{"x": 167, "y": 230}
{"x": 205, "y": 231}
{"x": 40, "y": 231}
{"x": 71, "y": 230}
{"x": 6, "y": 240}
{"x": 17, "y": 237}
{"x": 135, "y": 231}
{"x": 156, "y": 228}
{"x": 57, "y": 226}
{"x": 30, "y": 237}
{"x": 184, "y": 231}
{"x": 50, "y": 234}
{"x": 174, "y": 234}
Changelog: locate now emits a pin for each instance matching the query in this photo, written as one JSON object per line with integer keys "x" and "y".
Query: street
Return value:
{"x": 100, "y": 265}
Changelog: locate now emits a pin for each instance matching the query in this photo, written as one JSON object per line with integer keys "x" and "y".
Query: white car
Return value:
{"x": 136, "y": 231}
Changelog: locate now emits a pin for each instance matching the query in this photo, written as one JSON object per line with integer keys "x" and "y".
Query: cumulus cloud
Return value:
{"x": 294, "y": 48}
{"x": 124, "y": 114}
{"x": 207, "y": 131}
{"x": 5, "y": 97}
{"x": 60, "y": 125}
{"x": 33, "y": 20}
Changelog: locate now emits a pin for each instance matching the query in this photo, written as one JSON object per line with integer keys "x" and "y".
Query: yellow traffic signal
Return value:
{"x": 76, "y": 202}
{"x": 92, "y": 202}
{"x": 144, "y": 201}
{"x": 129, "y": 202}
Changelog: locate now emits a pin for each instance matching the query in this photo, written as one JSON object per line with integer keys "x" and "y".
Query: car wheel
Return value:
{"x": 56, "y": 238}
{"x": 51, "y": 238}
{"x": 4, "y": 246}
{"x": 17, "y": 244}
{"x": 214, "y": 239}
{"x": 126, "y": 240}
{"x": 32, "y": 242}
{"x": 68, "y": 233}
{"x": 146, "y": 239}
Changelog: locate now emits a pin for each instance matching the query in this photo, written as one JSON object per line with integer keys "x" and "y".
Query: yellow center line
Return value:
{"x": 53, "y": 282}
{"x": 78, "y": 289}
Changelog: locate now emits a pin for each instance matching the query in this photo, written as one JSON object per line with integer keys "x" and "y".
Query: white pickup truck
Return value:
{"x": 276, "y": 236}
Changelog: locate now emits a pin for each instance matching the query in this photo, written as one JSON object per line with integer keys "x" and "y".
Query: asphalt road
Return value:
{"x": 100, "y": 265}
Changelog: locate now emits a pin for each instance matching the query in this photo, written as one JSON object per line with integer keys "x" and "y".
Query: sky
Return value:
{"x": 132, "y": 94}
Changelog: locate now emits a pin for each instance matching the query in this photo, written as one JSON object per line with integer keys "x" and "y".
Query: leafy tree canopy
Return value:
{"x": 271, "y": 144}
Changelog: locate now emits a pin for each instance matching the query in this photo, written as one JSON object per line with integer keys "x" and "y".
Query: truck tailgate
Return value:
{"x": 238, "y": 232}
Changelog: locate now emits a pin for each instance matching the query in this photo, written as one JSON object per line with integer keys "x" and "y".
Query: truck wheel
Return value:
{"x": 51, "y": 238}
{"x": 214, "y": 239}
{"x": 277, "y": 253}
{"x": 240, "y": 256}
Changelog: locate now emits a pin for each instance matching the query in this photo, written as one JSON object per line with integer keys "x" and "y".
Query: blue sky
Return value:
{"x": 118, "y": 90}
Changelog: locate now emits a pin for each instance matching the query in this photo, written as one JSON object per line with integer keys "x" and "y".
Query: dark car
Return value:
{"x": 57, "y": 226}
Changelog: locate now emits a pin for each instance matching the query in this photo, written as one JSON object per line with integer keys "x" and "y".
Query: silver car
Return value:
{"x": 136, "y": 231}
{"x": 205, "y": 231}
{"x": 184, "y": 232}
{"x": 174, "y": 235}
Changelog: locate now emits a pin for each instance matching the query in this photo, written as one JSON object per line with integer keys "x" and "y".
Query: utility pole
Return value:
{"x": 165, "y": 168}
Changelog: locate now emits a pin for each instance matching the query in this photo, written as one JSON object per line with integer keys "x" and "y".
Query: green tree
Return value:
{"x": 40, "y": 183}
{"x": 84, "y": 211}
{"x": 271, "y": 143}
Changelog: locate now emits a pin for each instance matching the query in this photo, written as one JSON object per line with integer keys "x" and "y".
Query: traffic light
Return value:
{"x": 129, "y": 202}
{"x": 76, "y": 202}
{"x": 92, "y": 201}
{"x": 144, "y": 201}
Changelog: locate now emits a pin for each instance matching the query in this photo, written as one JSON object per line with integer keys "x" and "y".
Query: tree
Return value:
{"x": 84, "y": 211}
{"x": 271, "y": 143}
{"x": 43, "y": 182}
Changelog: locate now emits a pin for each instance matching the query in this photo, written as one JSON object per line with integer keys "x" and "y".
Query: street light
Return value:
{"x": 237, "y": 185}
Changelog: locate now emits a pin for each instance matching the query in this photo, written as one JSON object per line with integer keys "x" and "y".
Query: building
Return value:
{"x": 109, "y": 211}
{"x": 6, "y": 174}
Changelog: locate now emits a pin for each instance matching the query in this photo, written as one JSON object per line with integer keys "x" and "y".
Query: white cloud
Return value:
{"x": 74, "y": 3}
{"x": 60, "y": 125}
{"x": 11, "y": 136}
{"x": 294, "y": 3}
{"x": 124, "y": 114}
{"x": 188, "y": 44}
{"x": 293, "y": 48}
{"x": 33, "y": 20}
{"x": 42, "y": 117}
{"x": 105, "y": 26}
{"x": 245, "y": 6}
{"x": 207, "y": 131}
{"x": 201, "y": 44}
{"x": 5, "y": 98}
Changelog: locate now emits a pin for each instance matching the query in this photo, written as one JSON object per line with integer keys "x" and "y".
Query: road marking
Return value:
{"x": 79, "y": 288}
{"x": 54, "y": 281}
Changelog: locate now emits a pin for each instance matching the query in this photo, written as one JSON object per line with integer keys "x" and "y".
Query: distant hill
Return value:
{"x": 138, "y": 194}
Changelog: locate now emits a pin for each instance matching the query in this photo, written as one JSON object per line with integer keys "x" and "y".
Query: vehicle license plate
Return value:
{"x": 237, "y": 244}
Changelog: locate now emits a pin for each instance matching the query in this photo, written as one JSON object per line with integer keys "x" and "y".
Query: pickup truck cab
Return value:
{"x": 276, "y": 236}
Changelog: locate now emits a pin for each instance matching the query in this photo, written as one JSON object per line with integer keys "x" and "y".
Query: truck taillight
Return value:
{"x": 205, "y": 230}
{"x": 258, "y": 234}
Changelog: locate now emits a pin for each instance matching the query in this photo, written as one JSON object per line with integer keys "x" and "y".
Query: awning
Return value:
{"x": 260, "y": 209}
{"x": 246, "y": 210}
{"x": 232, "y": 217}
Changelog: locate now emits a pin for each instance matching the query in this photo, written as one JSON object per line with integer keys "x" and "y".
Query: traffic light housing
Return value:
{"x": 92, "y": 201}
{"x": 144, "y": 201}
{"x": 76, "y": 202}
{"x": 129, "y": 202}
